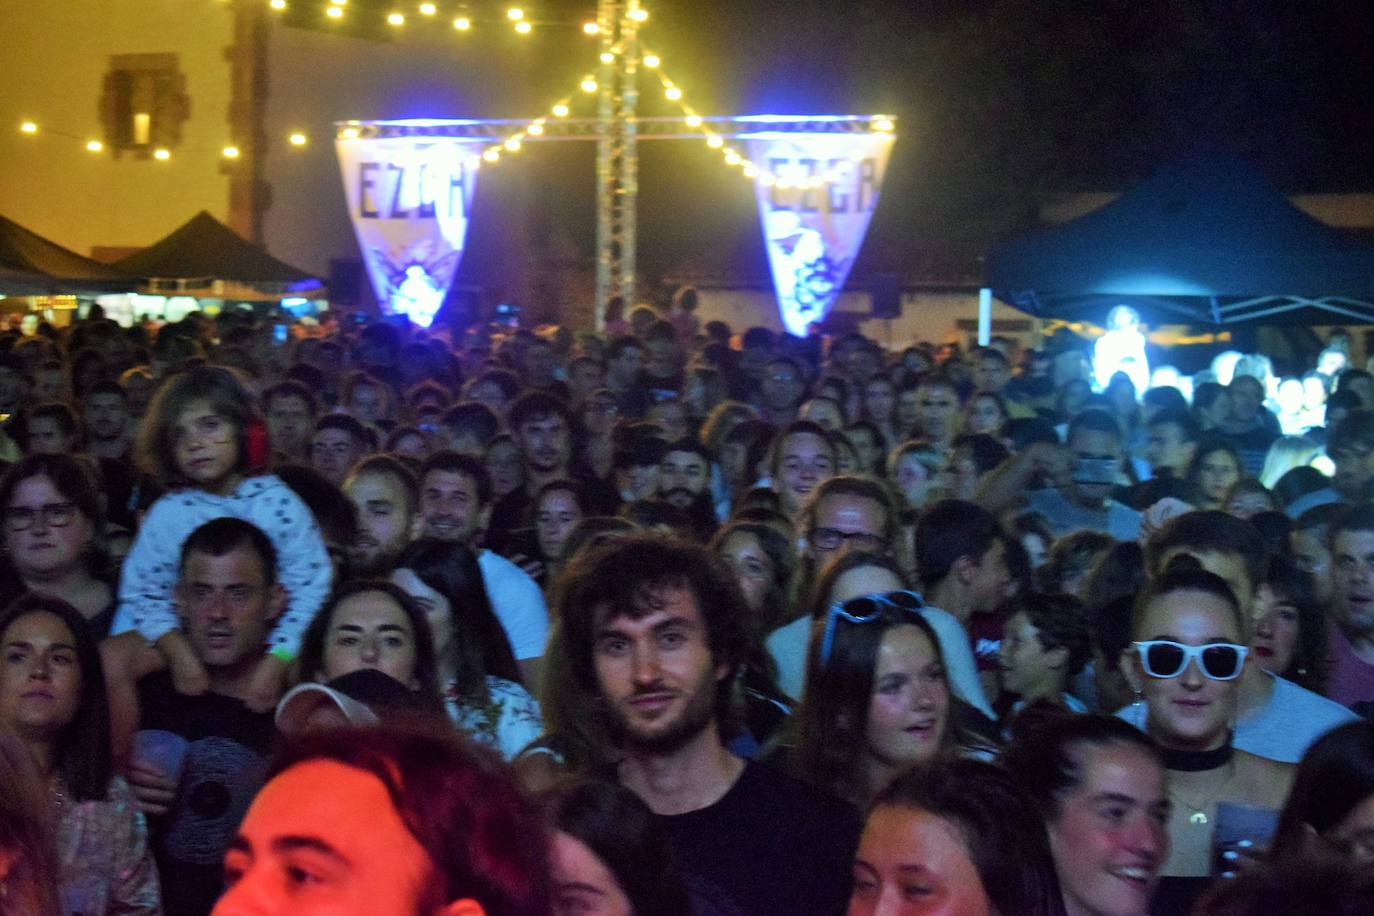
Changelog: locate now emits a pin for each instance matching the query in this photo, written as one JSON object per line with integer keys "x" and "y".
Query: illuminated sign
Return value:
{"x": 409, "y": 200}
{"x": 816, "y": 195}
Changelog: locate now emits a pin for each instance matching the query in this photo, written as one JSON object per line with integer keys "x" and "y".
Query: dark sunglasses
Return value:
{"x": 1163, "y": 658}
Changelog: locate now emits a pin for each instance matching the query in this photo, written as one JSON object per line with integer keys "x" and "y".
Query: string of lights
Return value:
{"x": 32, "y": 128}
{"x": 458, "y": 16}
{"x": 732, "y": 156}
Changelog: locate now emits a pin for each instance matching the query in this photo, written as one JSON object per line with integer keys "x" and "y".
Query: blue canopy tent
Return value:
{"x": 1204, "y": 241}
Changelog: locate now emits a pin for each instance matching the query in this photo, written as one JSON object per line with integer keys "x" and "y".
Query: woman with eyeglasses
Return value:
{"x": 52, "y": 515}
{"x": 877, "y": 699}
{"x": 1185, "y": 665}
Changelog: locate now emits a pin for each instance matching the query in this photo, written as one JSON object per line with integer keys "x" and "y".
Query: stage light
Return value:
{"x": 230, "y": 152}
{"x": 334, "y": 12}
{"x": 428, "y": 9}
{"x": 513, "y": 144}
{"x": 588, "y": 85}
{"x": 491, "y": 155}
{"x": 714, "y": 142}
{"x": 338, "y": 2}
{"x": 297, "y": 139}
{"x": 161, "y": 155}
{"x": 652, "y": 60}
{"x": 396, "y": 19}
{"x": 591, "y": 28}
{"x": 535, "y": 130}
{"x": 277, "y": 5}
{"x": 28, "y": 127}
{"x": 515, "y": 13}
{"x": 607, "y": 57}
{"x": 673, "y": 94}
{"x": 732, "y": 157}
{"x": 560, "y": 110}
{"x": 694, "y": 120}
{"x": 462, "y": 23}
{"x": 94, "y": 146}
{"x": 883, "y": 125}
{"x": 523, "y": 27}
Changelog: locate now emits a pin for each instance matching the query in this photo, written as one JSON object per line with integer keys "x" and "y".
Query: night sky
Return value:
{"x": 1001, "y": 103}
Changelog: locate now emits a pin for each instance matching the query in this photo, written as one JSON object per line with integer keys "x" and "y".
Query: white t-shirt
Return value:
{"x": 1282, "y": 729}
{"x": 518, "y": 604}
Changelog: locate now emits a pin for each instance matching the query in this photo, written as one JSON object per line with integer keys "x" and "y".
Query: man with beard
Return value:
{"x": 684, "y": 482}
{"x": 455, "y": 505}
{"x": 109, "y": 424}
{"x": 386, "y": 496}
{"x": 655, "y": 633}
{"x": 542, "y": 427}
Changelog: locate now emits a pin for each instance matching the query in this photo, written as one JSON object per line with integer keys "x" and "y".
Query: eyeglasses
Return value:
{"x": 57, "y": 515}
{"x": 1163, "y": 658}
{"x": 866, "y": 609}
{"x": 831, "y": 538}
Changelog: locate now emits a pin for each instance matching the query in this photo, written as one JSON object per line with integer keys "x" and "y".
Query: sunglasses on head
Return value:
{"x": 1163, "y": 658}
{"x": 865, "y": 609}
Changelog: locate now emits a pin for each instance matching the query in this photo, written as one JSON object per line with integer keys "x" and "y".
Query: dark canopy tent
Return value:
{"x": 30, "y": 265}
{"x": 1204, "y": 241}
{"x": 206, "y": 249}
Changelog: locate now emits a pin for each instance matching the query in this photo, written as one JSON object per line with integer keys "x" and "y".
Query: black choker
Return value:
{"x": 1196, "y": 761}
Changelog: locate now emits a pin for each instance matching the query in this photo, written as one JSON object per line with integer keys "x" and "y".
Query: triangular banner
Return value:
{"x": 409, "y": 199}
{"x": 816, "y": 194}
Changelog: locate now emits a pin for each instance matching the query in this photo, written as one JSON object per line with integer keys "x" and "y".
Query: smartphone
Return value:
{"x": 1095, "y": 470}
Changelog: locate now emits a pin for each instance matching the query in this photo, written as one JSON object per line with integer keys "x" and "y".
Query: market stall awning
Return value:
{"x": 1205, "y": 241}
{"x": 203, "y": 252}
{"x": 31, "y": 265}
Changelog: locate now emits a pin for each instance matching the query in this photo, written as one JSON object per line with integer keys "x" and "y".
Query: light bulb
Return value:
{"x": 560, "y": 110}
{"x": 428, "y": 9}
{"x": 694, "y": 120}
{"x": 638, "y": 14}
{"x": 673, "y": 93}
{"x": 652, "y": 60}
{"x": 230, "y": 152}
{"x": 396, "y": 19}
{"x": 297, "y": 139}
{"x": 591, "y": 28}
{"x": 334, "y": 12}
{"x": 28, "y": 127}
{"x": 714, "y": 142}
{"x": 161, "y": 155}
{"x": 535, "y": 130}
{"x": 491, "y": 155}
{"x": 94, "y": 146}
{"x": 523, "y": 27}
{"x": 515, "y": 12}
{"x": 589, "y": 85}
{"x": 513, "y": 144}
{"x": 277, "y": 5}
{"x": 462, "y": 23}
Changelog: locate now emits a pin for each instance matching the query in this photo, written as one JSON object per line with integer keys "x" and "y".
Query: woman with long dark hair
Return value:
{"x": 52, "y": 694}
{"x": 478, "y": 675}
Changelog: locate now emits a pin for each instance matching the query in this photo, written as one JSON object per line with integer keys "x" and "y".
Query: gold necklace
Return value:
{"x": 1199, "y": 816}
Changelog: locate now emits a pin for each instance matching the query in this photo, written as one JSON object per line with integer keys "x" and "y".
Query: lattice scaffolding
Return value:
{"x": 617, "y": 155}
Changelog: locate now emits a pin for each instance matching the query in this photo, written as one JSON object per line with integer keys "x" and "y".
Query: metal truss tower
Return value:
{"x": 617, "y": 155}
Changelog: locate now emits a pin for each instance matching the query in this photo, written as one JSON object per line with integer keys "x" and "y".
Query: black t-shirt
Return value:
{"x": 225, "y": 765}
{"x": 771, "y": 845}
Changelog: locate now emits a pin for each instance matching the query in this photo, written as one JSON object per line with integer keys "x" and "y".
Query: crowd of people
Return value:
{"x": 666, "y": 619}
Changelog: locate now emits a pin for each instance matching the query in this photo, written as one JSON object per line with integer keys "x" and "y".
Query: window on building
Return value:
{"x": 144, "y": 103}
